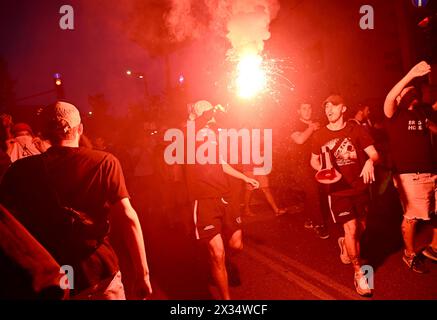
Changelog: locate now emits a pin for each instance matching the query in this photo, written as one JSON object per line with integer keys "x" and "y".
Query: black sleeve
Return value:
{"x": 114, "y": 179}
{"x": 298, "y": 126}
{"x": 363, "y": 136}
{"x": 315, "y": 143}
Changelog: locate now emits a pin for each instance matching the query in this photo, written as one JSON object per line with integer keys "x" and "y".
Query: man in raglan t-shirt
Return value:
{"x": 409, "y": 130}
{"x": 214, "y": 215}
{"x": 352, "y": 153}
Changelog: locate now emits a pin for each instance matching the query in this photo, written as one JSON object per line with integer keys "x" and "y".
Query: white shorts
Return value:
{"x": 418, "y": 194}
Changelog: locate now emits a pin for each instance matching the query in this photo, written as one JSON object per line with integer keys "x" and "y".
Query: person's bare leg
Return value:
{"x": 235, "y": 246}
{"x": 269, "y": 196}
{"x": 218, "y": 268}
{"x": 362, "y": 225}
{"x": 408, "y": 231}
{"x": 236, "y": 241}
{"x": 433, "y": 223}
{"x": 351, "y": 241}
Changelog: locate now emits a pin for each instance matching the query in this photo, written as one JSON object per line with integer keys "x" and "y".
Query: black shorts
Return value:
{"x": 215, "y": 216}
{"x": 346, "y": 208}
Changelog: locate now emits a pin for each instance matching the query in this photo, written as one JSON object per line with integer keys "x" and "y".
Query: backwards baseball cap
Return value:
{"x": 58, "y": 118}
{"x": 335, "y": 99}
{"x": 63, "y": 114}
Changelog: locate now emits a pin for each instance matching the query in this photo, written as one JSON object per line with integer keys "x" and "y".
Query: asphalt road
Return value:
{"x": 282, "y": 260}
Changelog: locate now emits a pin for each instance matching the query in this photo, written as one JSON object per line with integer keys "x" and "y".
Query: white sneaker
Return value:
{"x": 362, "y": 285}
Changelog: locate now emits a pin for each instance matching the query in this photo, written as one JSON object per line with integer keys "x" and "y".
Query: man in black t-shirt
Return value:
{"x": 351, "y": 150}
{"x": 409, "y": 130}
{"x": 35, "y": 189}
{"x": 302, "y": 134}
{"x": 215, "y": 214}
{"x": 361, "y": 116}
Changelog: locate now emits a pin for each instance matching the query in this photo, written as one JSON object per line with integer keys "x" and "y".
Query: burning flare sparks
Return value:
{"x": 251, "y": 76}
{"x": 255, "y": 76}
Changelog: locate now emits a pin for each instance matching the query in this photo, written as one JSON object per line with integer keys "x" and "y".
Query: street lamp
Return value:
{"x": 59, "y": 87}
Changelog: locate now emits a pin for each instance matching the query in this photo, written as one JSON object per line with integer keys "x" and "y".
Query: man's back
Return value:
{"x": 83, "y": 179}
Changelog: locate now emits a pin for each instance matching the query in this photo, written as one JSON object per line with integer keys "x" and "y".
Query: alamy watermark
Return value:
{"x": 67, "y": 20}
{"x": 67, "y": 278}
{"x": 367, "y": 281}
{"x": 255, "y": 149}
{"x": 367, "y": 20}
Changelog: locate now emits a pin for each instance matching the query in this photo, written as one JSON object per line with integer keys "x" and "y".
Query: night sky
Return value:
{"x": 322, "y": 39}
{"x": 91, "y": 59}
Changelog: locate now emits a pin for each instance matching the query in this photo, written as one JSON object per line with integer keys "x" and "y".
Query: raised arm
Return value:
{"x": 237, "y": 174}
{"x": 390, "y": 104}
{"x": 302, "y": 137}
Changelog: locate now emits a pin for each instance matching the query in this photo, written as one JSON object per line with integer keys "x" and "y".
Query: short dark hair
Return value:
{"x": 300, "y": 104}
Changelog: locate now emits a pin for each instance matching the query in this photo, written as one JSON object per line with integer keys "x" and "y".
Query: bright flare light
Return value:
{"x": 251, "y": 77}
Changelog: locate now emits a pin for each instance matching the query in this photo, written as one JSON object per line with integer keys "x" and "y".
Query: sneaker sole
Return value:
{"x": 343, "y": 258}
{"x": 324, "y": 237}
{"x": 412, "y": 269}
{"x": 429, "y": 255}
{"x": 365, "y": 294}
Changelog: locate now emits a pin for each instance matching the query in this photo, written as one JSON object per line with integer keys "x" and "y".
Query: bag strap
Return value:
{"x": 98, "y": 236}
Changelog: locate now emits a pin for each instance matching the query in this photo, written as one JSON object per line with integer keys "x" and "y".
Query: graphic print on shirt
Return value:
{"x": 415, "y": 125}
{"x": 345, "y": 153}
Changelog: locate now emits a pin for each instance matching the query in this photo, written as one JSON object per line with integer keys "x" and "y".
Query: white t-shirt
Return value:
{"x": 22, "y": 147}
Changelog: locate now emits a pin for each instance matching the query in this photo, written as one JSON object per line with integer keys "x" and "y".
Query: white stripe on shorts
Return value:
{"x": 332, "y": 213}
{"x": 195, "y": 219}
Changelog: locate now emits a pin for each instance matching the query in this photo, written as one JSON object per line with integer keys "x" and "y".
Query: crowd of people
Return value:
{"x": 68, "y": 195}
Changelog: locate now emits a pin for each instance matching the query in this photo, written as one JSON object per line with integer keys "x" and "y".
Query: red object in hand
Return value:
{"x": 424, "y": 23}
{"x": 327, "y": 174}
